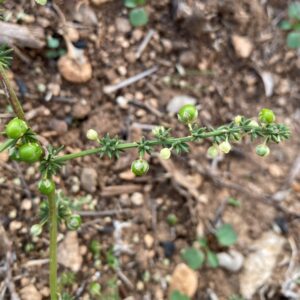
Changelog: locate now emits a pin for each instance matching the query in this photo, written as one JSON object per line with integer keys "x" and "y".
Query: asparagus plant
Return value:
{"x": 24, "y": 146}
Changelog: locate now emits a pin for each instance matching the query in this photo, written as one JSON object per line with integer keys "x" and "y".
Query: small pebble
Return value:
{"x": 137, "y": 199}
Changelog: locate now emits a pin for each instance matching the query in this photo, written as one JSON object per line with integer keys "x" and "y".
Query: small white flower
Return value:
{"x": 165, "y": 153}
{"x": 225, "y": 147}
{"x": 92, "y": 135}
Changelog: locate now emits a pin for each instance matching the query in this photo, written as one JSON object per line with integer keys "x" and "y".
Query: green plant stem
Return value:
{"x": 260, "y": 131}
{"x": 13, "y": 99}
{"x": 53, "y": 245}
{"x": 124, "y": 146}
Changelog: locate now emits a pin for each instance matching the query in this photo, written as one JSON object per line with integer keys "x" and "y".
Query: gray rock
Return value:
{"x": 232, "y": 261}
{"x": 88, "y": 179}
{"x": 123, "y": 25}
{"x": 187, "y": 59}
{"x": 178, "y": 101}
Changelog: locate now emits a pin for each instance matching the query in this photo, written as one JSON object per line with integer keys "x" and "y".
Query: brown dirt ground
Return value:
{"x": 224, "y": 86}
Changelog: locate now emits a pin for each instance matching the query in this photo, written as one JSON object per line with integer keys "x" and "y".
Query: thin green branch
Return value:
{"x": 53, "y": 245}
{"x": 12, "y": 98}
{"x": 171, "y": 140}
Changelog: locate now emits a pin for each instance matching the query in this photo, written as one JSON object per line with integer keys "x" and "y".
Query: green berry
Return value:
{"x": 139, "y": 167}
{"x": 212, "y": 152}
{"x": 262, "y": 150}
{"x": 266, "y": 116}
{"x": 225, "y": 147}
{"x": 188, "y": 114}
{"x": 30, "y": 152}
{"x": 36, "y": 230}
{"x": 165, "y": 153}
{"x": 74, "y": 222}
{"x": 92, "y": 135}
{"x": 46, "y": 186}
{"x": 16, "y": 128}
{"x": 172, "y": 219}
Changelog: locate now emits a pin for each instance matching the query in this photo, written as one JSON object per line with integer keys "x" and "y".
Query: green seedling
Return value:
{"x": 292, "y": 25}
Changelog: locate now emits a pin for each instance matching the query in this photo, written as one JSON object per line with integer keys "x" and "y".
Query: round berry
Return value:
{"x": 188, "y": 114}
{"x": 225, "y": 147}
{"x": 139, "y": 167}
{"x": 46, "y": 186}
{"x": 30, "y": 152}
{"x": 262, "y": 150}
{"x": 172, "y": 219}
{"x": 74, "y": 222}
{"x": 212, "y": 152}
{"x": 266, "y": 116}
{"x": 165, "y": 153}
{"x": 16, "y": 128}
{"x": 92, "y": 135}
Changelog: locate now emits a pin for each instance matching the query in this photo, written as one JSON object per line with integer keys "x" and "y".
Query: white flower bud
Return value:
{"x": 253, "y": 123}
{"x": 92, "y": 135}
{"x": 165, "y": 153}
{"x": 225, "y": 147}
{"x": 238, "y": 120}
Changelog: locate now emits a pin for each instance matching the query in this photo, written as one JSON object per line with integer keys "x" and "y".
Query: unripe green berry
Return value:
{"x": 46, "y": 186}
{"x": 30, "y": 152}
{"x": 139, "y": 167}
{"x": 188, "y": 114}
{"x": 16, "y": 128}
{"x": 225, "y": 147}
{"x": 212, "y": 151}
{"x": 92, "y": 135}
{"x": 262, "y": 150}
{"x": 266, "y": 116}
{"x": 165, "y": 153}
{"x": 36, "y": 230}
{"x": 74, "y": 222}
{"x": 172, "y": 219}
{"x": 253, "y": 123}
{"x": 238, "y": 120}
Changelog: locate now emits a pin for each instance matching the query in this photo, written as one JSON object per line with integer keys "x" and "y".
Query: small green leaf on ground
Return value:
{"x": 212, "y": 259}
{"x": 293, "y": 40}
{"x": 130, "y": 3}
{"x": 138, "y": 17}
{"x": 294, "y": 10}
{"x": 202, "y": 241}
{"x": 226, "y": 235}
{"x": 234, "y": 202}
{"x": 285, "y": 25}
{"x": 176, "y": 295}
{"x": 41, "y": 2}
{"x": 193, "y": 257}
{"x": 52, "y": 42}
